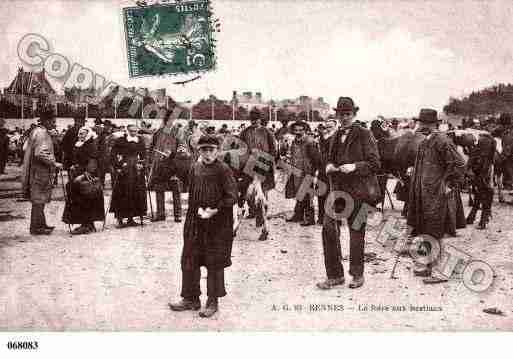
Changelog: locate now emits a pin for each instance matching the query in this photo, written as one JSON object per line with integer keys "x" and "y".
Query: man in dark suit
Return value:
{"x": 351, "y": 170}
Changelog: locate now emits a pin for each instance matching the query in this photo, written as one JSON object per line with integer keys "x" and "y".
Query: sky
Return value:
{"x": 391, "y": 57}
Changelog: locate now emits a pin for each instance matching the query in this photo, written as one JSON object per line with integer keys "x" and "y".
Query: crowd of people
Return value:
{"x": 341, "y": 156}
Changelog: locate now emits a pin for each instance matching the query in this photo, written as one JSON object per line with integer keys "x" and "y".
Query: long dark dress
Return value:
{"x": 80, "y": 209}
{"x": 208, "y": 242}
{"x": 129, "y": 189}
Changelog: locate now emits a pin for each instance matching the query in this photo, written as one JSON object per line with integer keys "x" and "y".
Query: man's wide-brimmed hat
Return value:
{"x": 208, "y": 141}
{"x": 255, "y": 114}
{"x": 428, "y": 115}
{"x": 299, "y": 123}
{"x": 47, "y": 113}
{"x": 346, "y": 104}
{"x": 79, "y": 115}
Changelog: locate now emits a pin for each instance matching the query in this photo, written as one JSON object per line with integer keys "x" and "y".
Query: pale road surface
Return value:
{"x": 123, "y": 279}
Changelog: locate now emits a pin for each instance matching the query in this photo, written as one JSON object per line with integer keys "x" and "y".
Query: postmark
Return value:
{"x": 169, "y": 39}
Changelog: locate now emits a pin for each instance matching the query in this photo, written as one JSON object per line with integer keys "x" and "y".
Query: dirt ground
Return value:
{"x": 122, "y": 279}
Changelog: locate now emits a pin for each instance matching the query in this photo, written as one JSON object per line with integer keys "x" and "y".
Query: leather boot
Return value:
{"x": 357, "y": 282}
{"x": 120, "y": 223}
{"x": 131, "y": 223}
{"x": 330, "y": 283}
{"x": 185, "y": 304}
{"x": 83, "y": 229}
{"x": 211, "y": 308}
{"x": 40, "y": 231}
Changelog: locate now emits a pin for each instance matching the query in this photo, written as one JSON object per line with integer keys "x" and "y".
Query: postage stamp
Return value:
{"x": 169, "y": 39}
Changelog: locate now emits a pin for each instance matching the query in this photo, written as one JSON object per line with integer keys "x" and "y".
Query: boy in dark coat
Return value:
{"x": 208, "y": 229}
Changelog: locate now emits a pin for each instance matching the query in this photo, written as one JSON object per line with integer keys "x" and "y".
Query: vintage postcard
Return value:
{"x": 248, "y": 165}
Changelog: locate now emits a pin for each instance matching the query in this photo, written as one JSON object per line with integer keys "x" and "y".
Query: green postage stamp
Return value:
{"x": 169, "y": 39}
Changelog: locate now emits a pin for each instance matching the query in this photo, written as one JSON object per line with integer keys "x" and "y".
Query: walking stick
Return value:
{"x": 149, "y": 195}
{"x": 110, "y": 199}
{"x": 65, "y": 197}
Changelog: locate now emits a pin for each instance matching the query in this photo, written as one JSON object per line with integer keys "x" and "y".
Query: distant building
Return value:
{"x": 29, "y": 83}
{"x": 248, "y": 100}
{"x": 307, "y": 105}
{"x": 33, "y": 87}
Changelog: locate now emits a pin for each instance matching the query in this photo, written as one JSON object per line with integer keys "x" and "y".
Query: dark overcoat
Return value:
{"x": 208, "y": 242}
{"x": 163, "y": 167}
{"x": 129, "y": 188}
{"x": 431, "y": 210}
{"x": 67, "y": 145}
{"x": 79, "y": 208}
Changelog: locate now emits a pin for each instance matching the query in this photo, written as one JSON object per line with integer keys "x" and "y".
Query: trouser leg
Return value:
{"x": 191, "y": 283}
{"x": 321, "y": 202}
{"x": 331, "y": 248}
{"x": 299, "y": 210}
{"x": 177, "y": 199}
{"x": 161, "y": 205}
{"x": 3, "y": 162}
{"x": 177, "y": 205}
{"x": 37, "y": 216}
{"x": 507, "y": 174}
{"x": 356, "y": 252}
{"x": 309, "y": 212}
{"x": 486, "y": 199}
{"x": 382, "y": 181}
{"x": 215, "y": 283}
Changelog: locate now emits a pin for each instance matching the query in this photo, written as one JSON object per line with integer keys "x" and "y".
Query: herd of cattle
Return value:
{"x": 398, "y": 155}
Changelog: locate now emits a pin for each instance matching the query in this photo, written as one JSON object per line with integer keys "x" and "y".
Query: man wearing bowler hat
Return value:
{"x": 434, "y": 206}
{"x": 352, "y": 166}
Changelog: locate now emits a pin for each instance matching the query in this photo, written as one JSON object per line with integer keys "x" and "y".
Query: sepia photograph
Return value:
{"x": 255, "y": 166}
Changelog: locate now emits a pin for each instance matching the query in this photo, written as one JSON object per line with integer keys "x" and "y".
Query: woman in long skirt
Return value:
{"x": 84, "y": 203}
{"x": 129, "y": 189}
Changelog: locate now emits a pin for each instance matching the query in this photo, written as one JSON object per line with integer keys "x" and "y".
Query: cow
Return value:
{"x": 234, "y": 152}
{"x": 482, "y": 154}
{"x": 397, "y": 154}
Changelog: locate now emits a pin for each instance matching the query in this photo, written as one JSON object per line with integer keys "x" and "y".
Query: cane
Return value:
{"x": 110, "y": 199}
{"x": 149, "y": 195}
{"x": 65, "y": 197}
